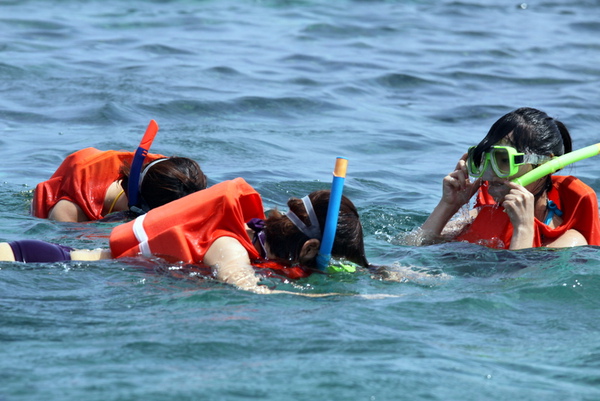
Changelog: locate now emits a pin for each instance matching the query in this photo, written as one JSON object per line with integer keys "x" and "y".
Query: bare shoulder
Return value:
{"x": 68, "y": 211}
{"x": 568, "y": 239}
{"x": 225, "y": 249}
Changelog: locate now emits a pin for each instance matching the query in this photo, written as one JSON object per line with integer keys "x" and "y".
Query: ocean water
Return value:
{"x": 273, "y": 91}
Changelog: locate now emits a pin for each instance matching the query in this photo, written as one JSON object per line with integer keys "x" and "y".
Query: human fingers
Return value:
{"x": 259, "y": 289}
{"x": 462, "y": 167}
{"x": 518, "y": 196}
{"x": 463, "y": 158}
{"x": 519, "y": 205}
{"x": 451, "y": 182}
{"x": 515, "y": 186}
{"x": 460, "y": 176}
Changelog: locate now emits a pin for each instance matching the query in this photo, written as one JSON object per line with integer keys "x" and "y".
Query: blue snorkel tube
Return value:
{"x": 333, "y": 210}
{"x": 133, "y": 190}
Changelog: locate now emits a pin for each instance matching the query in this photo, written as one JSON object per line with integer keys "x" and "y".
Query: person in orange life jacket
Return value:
{"x": 223, "y": 227}
{"x": 554, "y": 211}
{"x": 91, "y": 184}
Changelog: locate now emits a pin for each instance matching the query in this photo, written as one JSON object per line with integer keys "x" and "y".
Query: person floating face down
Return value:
{"x": 554, "y": 211}
{"x": 91, "y": 184}
{"x": 223, "y": 227}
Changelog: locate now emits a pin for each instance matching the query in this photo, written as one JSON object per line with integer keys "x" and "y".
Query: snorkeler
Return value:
{"x": 91, "y": 184}
{"x": 553, "y": 211}
{"x": 223, "y": 227}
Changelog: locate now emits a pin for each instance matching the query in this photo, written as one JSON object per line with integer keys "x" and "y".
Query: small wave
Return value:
{"x": 162, "y": 50}
{"x": 401, "y": 81}
{"x": 289, "y": 107}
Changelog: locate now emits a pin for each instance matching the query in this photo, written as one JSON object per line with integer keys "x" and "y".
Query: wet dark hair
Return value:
{"x": 533, "y": 132}
{"x": 286, "y": 240}
{"x": 171, "y": 179}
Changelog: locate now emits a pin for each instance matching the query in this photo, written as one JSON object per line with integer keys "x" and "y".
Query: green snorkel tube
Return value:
{"x": 557, "y": 163}
{"x": 133, "y": 189}
{"x": 333, "y": 210}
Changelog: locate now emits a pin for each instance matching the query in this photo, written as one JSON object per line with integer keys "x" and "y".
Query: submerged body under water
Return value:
{"x": 273, "y": 92}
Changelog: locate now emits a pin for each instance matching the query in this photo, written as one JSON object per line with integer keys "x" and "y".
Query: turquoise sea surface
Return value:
{"x": 273, "y": 91}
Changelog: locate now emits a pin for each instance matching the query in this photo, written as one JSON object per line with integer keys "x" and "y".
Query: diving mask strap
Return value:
{"x": 536, "y": 159}
{"x": 312, "y": 231}
{"x": 142, "y": 207}
{"x": 145, "y": 171}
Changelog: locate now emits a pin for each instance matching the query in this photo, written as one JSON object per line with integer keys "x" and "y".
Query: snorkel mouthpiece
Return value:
{"x": 333, "y": 210}
{"x": 133, "y": 191}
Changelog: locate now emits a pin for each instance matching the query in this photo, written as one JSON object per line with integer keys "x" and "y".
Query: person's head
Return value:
{"x": 286, "y": 241}
{"x": 165, "y": 180}
{"x": 529, "y": 131}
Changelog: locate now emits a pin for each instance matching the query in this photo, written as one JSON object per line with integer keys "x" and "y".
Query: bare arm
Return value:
{"x": 6, "y": 252}
{"x": 67, "y": 211}
{"x": 90, "y": 254}
{"x": 519, "y": 204}
{"x": 230, "y": 261}
{"x": 457, "y": 189}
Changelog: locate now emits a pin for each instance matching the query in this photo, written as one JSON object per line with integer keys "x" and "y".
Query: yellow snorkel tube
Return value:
{"x": 557, "y": 163}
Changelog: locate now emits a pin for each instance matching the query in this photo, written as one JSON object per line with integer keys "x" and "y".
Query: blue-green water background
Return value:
{"x": 273, "y": 91}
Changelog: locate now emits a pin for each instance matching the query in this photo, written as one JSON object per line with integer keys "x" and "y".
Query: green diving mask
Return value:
{"x": 505, "y": 161}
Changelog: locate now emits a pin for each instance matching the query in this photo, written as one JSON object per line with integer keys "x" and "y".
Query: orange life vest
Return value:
{"x": 184, "y": 230}
{"x": 82, "y": 178}
{"x": 577, "y": 201}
